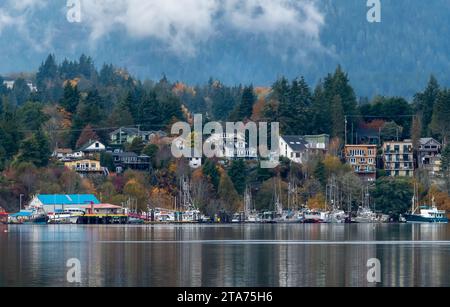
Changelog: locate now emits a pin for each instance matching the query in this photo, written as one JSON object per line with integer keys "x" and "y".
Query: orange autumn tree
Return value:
{"x": 161, "y": 198}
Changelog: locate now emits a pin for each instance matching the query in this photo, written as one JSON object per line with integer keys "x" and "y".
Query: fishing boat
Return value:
{"x": 66, "y": 216}
{"x": 365, "y": 215}
{"x": 426, "y": 214}
{"x": 314, "y": 217}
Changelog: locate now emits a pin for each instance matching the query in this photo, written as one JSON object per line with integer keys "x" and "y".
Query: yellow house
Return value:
{"x": 85, "y": 166}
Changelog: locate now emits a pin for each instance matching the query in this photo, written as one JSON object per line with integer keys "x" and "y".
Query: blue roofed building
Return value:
{"x": 53, "y": 202}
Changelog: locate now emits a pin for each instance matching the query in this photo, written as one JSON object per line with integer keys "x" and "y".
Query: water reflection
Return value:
{"x": 247, "y": 255}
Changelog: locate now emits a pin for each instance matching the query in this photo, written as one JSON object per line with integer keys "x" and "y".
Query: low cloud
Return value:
{"x": 182, "y": 26}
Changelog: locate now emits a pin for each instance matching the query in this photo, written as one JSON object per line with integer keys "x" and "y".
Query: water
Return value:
{"x": 225, "y": 255}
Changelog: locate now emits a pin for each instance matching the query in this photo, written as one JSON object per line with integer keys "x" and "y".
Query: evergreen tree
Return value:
{"x": 320, "y": 112}
{"x": 424, "y": 104}
{"x": 440, "y": 123}
{"x": 20, "y": 92}
{"x": 227, "y": 194}
{"x": 136, "y": 146}
{"x": 445, "y": 167}
{"x": 35, "y": 150}
{"x": 320, "y": 173}
{"x": 238, "y": 175}
{"x": 210, "y": 171}
{"x": 337, "y": 118}
{"x": 245, "y": 108}
{"x": 31, "y": 116}
{"x": 71, "y": 98}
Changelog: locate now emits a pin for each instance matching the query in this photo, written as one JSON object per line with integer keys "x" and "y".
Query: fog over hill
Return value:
{"x": 239, "y": 41}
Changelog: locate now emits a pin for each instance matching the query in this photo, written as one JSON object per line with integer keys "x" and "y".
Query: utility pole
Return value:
{"x": 20, "y": 202}
{"x": 345, "y": 130}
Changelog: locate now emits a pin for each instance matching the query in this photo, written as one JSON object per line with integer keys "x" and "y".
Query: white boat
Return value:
{"x": 336, "y": 217}
{"x": 315, "y": 216}
{"x": 365, "y": 215}
{"x": 67, "y": 216}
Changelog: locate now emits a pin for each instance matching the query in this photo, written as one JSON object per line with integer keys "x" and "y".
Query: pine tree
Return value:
{"x": 320, "y": 112}
{"x": 238, "y": 175}
{"x": 245, "y": 108}
{"x": 445, "y": 166}
{"x": 440, "y": 123}
{"x": 337, "y": 117}
{"x": 71, "y": 98}
{"x": 424, "y": 104}
{"x": 210, "y": 171}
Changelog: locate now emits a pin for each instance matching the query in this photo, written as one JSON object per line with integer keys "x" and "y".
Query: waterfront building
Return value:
{"x": 362, "y": 159}
{"x": 398, "y": 158}
{"x": 50, "y": 203}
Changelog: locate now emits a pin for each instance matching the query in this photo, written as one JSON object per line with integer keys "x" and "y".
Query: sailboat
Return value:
{"x": 251, "y": 215}
{"x": 365, "y": 214}
{"x": 424, "y": 213}
{"x": 336, "y": 215}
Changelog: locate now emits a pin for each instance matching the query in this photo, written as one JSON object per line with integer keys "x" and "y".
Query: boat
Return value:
{"x": 28, "y": 217}
{"x": 428, "y": 214}
{"x": 425, "y": 213}
{"x": 365, "y": 215}
{"x": 336, "y": 217}
{"x": 67, "y": 216}
{"x": 236, "y": 219}
{"x": 314, "y": 217}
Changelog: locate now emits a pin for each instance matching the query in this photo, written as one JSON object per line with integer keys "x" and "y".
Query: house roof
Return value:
{"x": 102, "y": 206}
{"x": 424, "y": 141}
{"x": 63, "y": 150}
{"x": 296, "y": 142}
{"x": 72, "y": 199}
{"x": 88, "y": 144}
{"x": 23, "y": 213}
{"x": 136, "y": 131}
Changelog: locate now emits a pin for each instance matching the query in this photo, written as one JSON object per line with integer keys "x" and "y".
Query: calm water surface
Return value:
{"x": 229, "y": 255}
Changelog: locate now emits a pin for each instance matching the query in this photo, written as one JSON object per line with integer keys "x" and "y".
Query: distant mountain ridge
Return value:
{"x": 395, "y": 57}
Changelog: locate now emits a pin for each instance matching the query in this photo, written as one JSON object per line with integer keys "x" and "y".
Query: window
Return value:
{"x": 397, "y": 148}
{"x": 352, "y": 160}
{"x": 97, "y": 145}
{"x": 298, "y": 155}
{"x": 370, "y": 160}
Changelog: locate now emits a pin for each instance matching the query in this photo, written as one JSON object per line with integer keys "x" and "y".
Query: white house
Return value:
{"x": 295, "y": 148}
{"x": 231, "y": 145}
{"x": 92, "y": 147}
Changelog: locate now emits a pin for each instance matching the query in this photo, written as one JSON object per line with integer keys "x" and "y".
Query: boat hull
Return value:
{"x": 411, "y": 218}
